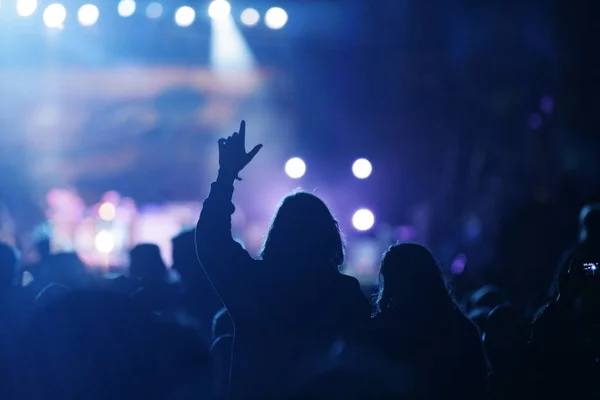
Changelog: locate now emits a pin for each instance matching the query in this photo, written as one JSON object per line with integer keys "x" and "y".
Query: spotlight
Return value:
{"x": 126, "y": 8}
{"x": 154, "y": 10}
{"x": 295, "y": 168}
{"x": 276, "y": 18}
{"x": 219, "y": 10}
{"x": 25, "y": 8}
{"x": 55, "y": 15}
{"x": 363, "y": 220}
{"x": 362, "y": 168}
{"x": 250, "y": 17}
{"x": 88, "y": 15}
{"x": 184, "y": 16}
{"x": 107, "y": 211}
{"x": 104, "y": 242}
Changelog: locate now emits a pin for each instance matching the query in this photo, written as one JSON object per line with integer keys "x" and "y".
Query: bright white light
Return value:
{"x": 184, "y": 16}
{"x": 363, "y": 220}
{"x": 250, "y": 17}
{"x": 105, "y": 242}
{"x": 107, "y": 211}
{"x": 362, "y": 168}
{"x": 55, "y": 15}
{"x": 295, "y": 168}
{"x": 276, "y": 18}
{"x": 88, "y": 15}
{"x": 154, "y": 10}
{"x": 25, "y": 8}
{"x": 219, "y": 10}
{"x": 126, "y": 8}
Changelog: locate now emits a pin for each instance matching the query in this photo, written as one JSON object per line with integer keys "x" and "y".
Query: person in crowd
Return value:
{"x": 293, "y": 295}
{"x": 564, "y": 347}
{"x": 9, "y": 264}
{"x": 148, "y": 270}
{"x": 418, "y": 323}
{"x": 101, "y": 345}
{"x": 505, "y": 339}
{"x": 198, "y": 295}
{"x": 586, "y": 249}
{"x": 488, "y": 296}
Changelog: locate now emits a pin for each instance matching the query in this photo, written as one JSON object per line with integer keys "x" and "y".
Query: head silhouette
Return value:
{"x": 303, "y": 229}
{"x": 9, "y": 262}
{"x": 146, "y": 264}
{"x": 589, "y": 220}
{"x": 411, "y": 282}
{"x": 185, "y": 260}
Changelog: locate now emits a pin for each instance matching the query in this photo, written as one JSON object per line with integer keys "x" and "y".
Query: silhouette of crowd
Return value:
{"x": 288, "y": 324}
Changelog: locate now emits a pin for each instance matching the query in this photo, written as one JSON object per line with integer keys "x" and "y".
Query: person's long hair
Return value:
{"x": 303, "y": 229}
{"x": 411, "y": 281}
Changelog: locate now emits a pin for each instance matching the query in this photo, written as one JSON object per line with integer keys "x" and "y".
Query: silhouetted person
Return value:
{"x": 294, "y": 295}
{"x": 198, "y": 295}
{"x": 507, "y": 333}
{"x": 587, "y": 248}
{"x": 487, "y": 296}
{"x": 147, "y": 268}
{"x": 419, "y": 324}
{"x": 96, "y": 345}
{"x": 564, "y": 349}
{"x": 9, "y": 264}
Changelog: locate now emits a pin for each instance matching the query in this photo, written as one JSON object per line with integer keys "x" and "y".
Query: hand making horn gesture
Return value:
{"x": 232, "y": 153}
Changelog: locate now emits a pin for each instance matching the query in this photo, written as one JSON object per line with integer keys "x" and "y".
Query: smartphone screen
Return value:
{"x": 590, "y": 268}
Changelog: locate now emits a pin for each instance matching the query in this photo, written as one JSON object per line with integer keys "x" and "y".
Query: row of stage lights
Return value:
{"x": 363, "y": 219}
{"x": 54, "y": 15}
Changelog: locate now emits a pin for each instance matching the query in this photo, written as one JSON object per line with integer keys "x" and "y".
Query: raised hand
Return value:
{"x": 232, "y": 153}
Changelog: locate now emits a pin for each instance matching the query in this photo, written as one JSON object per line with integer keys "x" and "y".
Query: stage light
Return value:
{"x": 104, "y": 242}
{"x": 88, "y": 15}
{"x": 362, "y": 168}
{"x": 219, "y": 10}
{"x": 154, "y": 10}
{"x": 250, "y": 17}
{"x": 363, "y": 220}
{"x": 276, "y": 18}
{"x": 25, "y": 8}
{"x": 184, "y": 16}
{"x": 295, "y": 168}
{"x": 126, "y": 8}
{"x": 107, "y": 211}
{"x": 55, "y": 15}
{"x": 459, "y": 264}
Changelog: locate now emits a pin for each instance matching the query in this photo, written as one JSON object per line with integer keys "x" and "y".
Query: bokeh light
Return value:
{"x": 363, "y": 220}
{"x": 185, "y": 16}
{"x": 25, "y": 8}
{"x": 55, "y": 15}
{"x": 459, "y": 264}
{"x": 88, "y": 14}
{"x": 107, "y": 211}
{"x": 219, "y": 10}
{"x": 126, "y": 8}
{"x": 154, "y": 10}
{"x": 295, "y": 168}
{"x": 250, "y": 17}
{"x": 104, "y": 242}
{"x": 276, "y": 18}
{"x": 362, "y": 168}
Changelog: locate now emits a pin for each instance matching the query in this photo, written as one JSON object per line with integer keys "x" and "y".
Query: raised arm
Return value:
{"x": 220, "y": 255}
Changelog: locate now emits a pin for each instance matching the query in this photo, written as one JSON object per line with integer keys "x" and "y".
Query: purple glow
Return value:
{"x": 547, "y": 105}
{"x": 406, "y": 233}
{"x": 535, "y": 121}
{"x": 459, "y": 264}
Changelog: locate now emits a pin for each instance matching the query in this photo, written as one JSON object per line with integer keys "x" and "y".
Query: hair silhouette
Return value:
{"x": 410, "y": 279}
{"x": 303, "y": 228}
